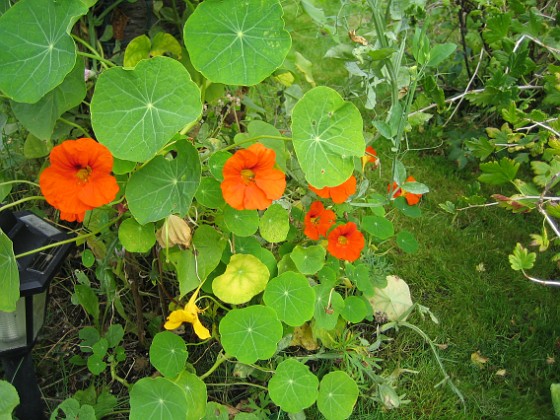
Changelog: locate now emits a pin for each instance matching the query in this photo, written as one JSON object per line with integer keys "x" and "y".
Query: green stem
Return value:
{"x": 70, "y": 240}
{"x": 215, "y": 301}
{"x": 106, "y": 63}
{"x": 108, "y": 9}
{"x": 116, "y": 377}
{"x": 73, "y": 124}
{"x": 221, "y": 359}
{"x": 23, "y": 200}
{"x": 19, "y": 181}
{"x": 231, "y": 146}
{"x": 446, "y": 378}
{"x": 238, "y": 383}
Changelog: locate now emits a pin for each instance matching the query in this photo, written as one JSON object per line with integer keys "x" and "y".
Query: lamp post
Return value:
{"x": 19, "y": 329}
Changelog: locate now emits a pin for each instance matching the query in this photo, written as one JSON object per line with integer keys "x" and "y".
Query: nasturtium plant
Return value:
{"x": 195, "y": 393}
{"x": 241, "y": 222}
{"x": 166, "y": 185}
{"x": 247, "y": 40}
{"x": 245, "y": 277}
{"x": 157, "y": 398}
{"x": 328, "y": 306}
{"x": 10, "y": 399}
{"x": 251, "y": 333}
{"x": 407, "y": 242}
{"x": 378, "y": 226}
{"x": 291, "y": 296}
{"x": 274, "y": 224}
{"x": 135, "y": 112}
{"x": 355, "y": 309}
{"x": 309, "y": 260}
{"x": 293, "y": 387}
{"x": 338, "y": 394}
{"x": 168, "y": 353}
{"x": 209, "y": 194}
{"x": 36, "y": 49}
{"x": 136, "y": 237}
{"x": 327, "y": 135}
{"x": 9, "y": 276}
{"x": 269, "y": 136}
{"x": 40, "y": 117}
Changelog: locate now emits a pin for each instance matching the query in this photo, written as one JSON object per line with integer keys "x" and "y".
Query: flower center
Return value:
{"x": 314, "y": 220}
{"x": 342, "y": 240}
{"x": 247, "y": 175}
{"x": 83, "y": 174}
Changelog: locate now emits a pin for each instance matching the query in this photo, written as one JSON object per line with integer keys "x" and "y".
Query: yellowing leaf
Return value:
{"x": 245, "y": 276}
{"x": 478, "y": 359}
{"x": 303, "y": 337}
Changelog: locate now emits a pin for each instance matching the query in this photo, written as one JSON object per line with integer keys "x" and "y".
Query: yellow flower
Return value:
{"x": 190, "y": 315}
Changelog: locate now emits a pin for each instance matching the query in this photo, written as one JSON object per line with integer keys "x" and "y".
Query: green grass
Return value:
{"x": 511, "y": 321}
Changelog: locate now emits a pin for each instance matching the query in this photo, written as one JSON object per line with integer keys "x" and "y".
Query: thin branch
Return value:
{"x": 472, "y": 92}
{"x": 467, "y": 88}
{"x": 539, "y": 281}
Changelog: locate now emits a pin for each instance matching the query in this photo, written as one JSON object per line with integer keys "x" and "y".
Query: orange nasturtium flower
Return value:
{"x": 318, "y": 221}
{"x": 251, "y": 181}
{"x": 190, "y": 315}
{"x": 411, "y": 198}
{"x": 370, "y": 157}
{"x": 338, "y": 194}
{"x": 346, "y": 242}
{"x": 79, "y": 178}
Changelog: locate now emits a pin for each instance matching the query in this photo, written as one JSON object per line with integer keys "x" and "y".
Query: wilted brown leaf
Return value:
{"x": 175, "y": 231}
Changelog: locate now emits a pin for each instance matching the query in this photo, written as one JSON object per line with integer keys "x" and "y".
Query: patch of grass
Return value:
{"x": 462, "y": 273}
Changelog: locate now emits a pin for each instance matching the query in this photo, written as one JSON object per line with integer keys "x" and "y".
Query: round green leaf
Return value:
{"x": 250, "y": 245}
{"x": 327, "y": 134}
{"x": 251, "y": 333}
{"x": 196, "y": 394}
{"x": 245, "y": 277}
{"x": 9, "y": 400}
{"x": 241, "y": 222}
{"x": 157, "y": 398}
{"x": 209, "y": 244}
{"x": 291, "y": 296}
{"x": 328, "y": 305}
{"x": 135, "y": 112}
{"x": 394, "y": 299}
{"x": 121, "y": 167}
{"x": 355, "y": 309}
{"x": 88, "y": 258}
{"x": 209, "y": 194}
{"x": 274, "y": 224}
{"x": 338, "y": 394}
{"x": 216, "y": 164}
{"x": 164, "y": 186}
{"x": 34, "y": 147}
{"x": 407, "y": 242}
{"x": 293, "y": 387}
{"x": 136, "y": 237}
{"x": 95, "y": 364}
{"x": 9, "y": 275}
{"x": 309, "y": 260}
{"x": 168, "y": 353}
{"x": 216, "y": 411}
{"x": 36, "y": 49}
{"x": 237, "y": 43}
{"x": 40, "y": 117}
{"x": 378, "y": 226}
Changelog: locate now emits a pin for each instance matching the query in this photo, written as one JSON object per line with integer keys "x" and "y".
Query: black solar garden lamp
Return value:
{"x": 19, "y": 329}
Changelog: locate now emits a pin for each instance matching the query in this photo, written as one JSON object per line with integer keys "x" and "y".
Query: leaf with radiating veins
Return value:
{"x": 9, "y": 275}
